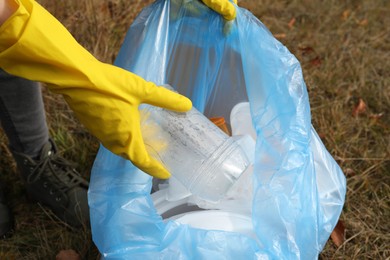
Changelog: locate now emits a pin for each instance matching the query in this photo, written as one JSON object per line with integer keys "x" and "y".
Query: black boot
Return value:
{"x": 6, "y": 218}
{"x": 52, "y": 181}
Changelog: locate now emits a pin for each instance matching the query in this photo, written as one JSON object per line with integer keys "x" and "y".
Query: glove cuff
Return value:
{"x": 12, "y": 29}
{"x": 39, "y": 48}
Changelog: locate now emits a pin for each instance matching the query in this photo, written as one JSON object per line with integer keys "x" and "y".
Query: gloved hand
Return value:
{"x": 223, "y": 7}
{"x": 105, "y": 98}
{"x": 196, "y": 8}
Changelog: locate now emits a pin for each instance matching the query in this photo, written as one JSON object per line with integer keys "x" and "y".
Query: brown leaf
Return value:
{"x": 280, "y": 35}
{"x": 349, "y": 172}
{"x": 376, "y": 116}
{"x": 338, "y": 234}
{"x": 346, "y": 14}
{"x": 68, "y": 254}
{"x": 221, "y": 123}
{"x": 291, "y": 23}
{"x": 363, "y": 22}
{"x": 306, "y": 50}
{"x": 360, "y": 108}
{"x": 316, "y": 61}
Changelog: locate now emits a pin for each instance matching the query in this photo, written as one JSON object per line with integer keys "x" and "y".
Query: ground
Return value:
{"x": 343, "y": 48}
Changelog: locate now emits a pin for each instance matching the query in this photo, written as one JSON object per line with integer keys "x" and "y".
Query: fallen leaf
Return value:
{"x": 363, "y": 22}
{"x": 316, "y": 61}
{"x": 221, "y": 123}
{"x": 349, "y": 172}
{"x": 346, "y": 14}
{"x": 376, "y": 116}
{"x": 68, "y": 254}
{"x": 360, "y": 108}
{"x": 306, "y": 50}
{"x": 291, "y": 23}
{"x": 338, "y": 234}
{"x": 280, "y": 35}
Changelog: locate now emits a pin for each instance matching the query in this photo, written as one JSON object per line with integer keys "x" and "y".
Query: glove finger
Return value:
{"x": 152, "y": 167}
{"x": 165, "y": 98}
{"x": 139, "y": 155}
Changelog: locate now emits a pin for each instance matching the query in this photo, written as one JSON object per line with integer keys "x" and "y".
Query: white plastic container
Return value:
{"x": 241, "y": 120}
{"x": 185, "y": 213}
{"x": 196, "y": 152}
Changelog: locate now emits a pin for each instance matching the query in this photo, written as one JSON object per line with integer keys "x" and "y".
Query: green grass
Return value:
{"x": 343, "y": 47}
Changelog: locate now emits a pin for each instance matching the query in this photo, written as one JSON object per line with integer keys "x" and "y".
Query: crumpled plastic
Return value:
{"x": 298, "y": 188}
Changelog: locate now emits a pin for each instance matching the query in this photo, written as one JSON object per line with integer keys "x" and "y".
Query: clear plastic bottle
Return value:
{"x": 195, "y": 151}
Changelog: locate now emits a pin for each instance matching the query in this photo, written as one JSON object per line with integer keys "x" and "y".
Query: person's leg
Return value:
{"x": 6, "y": 218}
{"x": 50, "y": 179}
{"x": 24, "y": 125}
{"x": 22, "y": 114}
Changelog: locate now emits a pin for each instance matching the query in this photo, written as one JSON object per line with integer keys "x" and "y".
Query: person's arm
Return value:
{"x": 105, "y": 98}
{"x": 7, "y": 8}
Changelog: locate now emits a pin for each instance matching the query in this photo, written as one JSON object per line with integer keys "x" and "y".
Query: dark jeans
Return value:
{"x": 22, "y": 114}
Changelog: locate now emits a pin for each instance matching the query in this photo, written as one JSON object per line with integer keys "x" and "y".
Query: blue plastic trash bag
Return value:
{"x": 298, "y": 189}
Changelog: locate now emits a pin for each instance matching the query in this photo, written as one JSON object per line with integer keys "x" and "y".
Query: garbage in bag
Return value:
{"x": 195, "y": 151}
{"x": 284, "y": 208}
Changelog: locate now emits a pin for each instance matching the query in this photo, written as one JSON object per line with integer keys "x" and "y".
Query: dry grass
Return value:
{"x": 343, "y": 47}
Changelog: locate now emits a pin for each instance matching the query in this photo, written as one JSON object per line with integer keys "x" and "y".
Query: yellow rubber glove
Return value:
{"x": 223, "y": 7}
{"x": 195, "y": 7}
{"x": 105, "y": 98}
